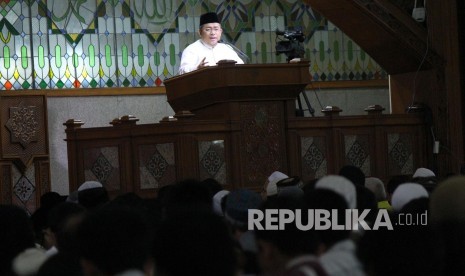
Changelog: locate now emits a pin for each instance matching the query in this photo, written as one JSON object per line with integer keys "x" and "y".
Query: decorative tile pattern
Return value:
{"x": 212, "y": 160}
{"x": 102, "y": 164}
{"x": 102, "y": 169}
{"x": 24, "y": 189}
{"x": 313, "y": 153}
{"x": 54, "y": 44}
{"x": 357, "y": 152}
{"x": 157, "y": 166}
{"x": 400, "y": 154}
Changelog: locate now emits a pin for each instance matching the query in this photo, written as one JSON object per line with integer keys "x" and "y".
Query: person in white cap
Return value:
{"x": 219, "y": 202}
{"x": 376, "y": 185}
{"x": 341, "y": 186}
{"x": 270, "y": 188}
{"x": 405, "y": 193}
{"x": 92, "y": 194}
{"x": 425, "y": 177}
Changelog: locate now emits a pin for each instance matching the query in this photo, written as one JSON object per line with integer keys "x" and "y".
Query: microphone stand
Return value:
{"x": 241, "y": 54}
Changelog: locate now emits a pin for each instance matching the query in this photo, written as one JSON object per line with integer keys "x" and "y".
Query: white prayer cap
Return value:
{"x": 275, "y": 177}
{"x": 375, "y": 185}
{"x": 29, "y": 261}
{"x": 405, "y": 193}
{"x": 89, "y": 185}
{"x": 423, "y": 172}
{"x": 217, "y": 198}
{"x": 341, "y": 186}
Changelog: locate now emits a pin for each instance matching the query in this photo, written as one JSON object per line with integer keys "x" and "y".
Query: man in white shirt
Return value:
{"x": 207, "y": 50}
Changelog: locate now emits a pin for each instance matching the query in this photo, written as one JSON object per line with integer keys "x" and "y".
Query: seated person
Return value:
{"x": 207, "y": 50}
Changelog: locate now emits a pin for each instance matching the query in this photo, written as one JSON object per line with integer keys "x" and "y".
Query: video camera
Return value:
{"x": 292, "y": 47}
{"x": 292, "y": 35}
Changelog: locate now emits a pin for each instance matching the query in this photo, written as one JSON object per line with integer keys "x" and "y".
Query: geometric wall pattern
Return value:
{"x": 54, "y": 44}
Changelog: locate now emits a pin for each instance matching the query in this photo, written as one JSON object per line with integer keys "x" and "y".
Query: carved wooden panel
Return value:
{"x": 24, "y": 189}
{"x": 102, "y": 164}
{"x": 212, "y": 160}
{"x": 25, "y": 173}
{"x": 24, "y": 133}
{"x": 313, "y": 157}
{"x": 357, "y": 152}
{"x": 263, "y": 145}
{"x": 157, "y": 165}
{"x": 400, "y": 154}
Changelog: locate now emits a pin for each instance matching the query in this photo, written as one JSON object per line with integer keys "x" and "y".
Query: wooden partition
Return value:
{"x": 24, "y": 154}
{"x": 237, "y": 124}
{"x": 127, "y": 157}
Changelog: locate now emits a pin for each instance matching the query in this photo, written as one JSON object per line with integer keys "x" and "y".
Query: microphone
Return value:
{"x": 241, "y": 54}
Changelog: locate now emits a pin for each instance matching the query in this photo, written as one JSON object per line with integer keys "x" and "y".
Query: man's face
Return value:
{"x": 211, "y": 33}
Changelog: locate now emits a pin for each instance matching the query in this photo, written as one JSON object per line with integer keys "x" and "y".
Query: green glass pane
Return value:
{"x": 41, "y": 57}
{"x": 24, "y": 57}
{"x": 91, "y": 55}
{"x": 58, "y": 56}
{"x": 248, "y": 49}
{"x": 156, "y": 58}
{"x": 321, "y": 47}
{"x": 263, "y": 46}
{"x": 93, "y": 83}
{"x": 124, "y": 51}
{"x": 336, "y": 51}
{"x": 75, "y": 60}
{"x": 363, "y": 55}
{"x": 140, "y": 55}
{"x": 172, "y": 55}
{"x": 60, "y": 84}
{"x": 43, "y": 84}
{"x": 126, "y": 83}
{"x": 26, "y": 85}
{"x": 108, "y": 55}
{"x": 6, "y": 56}
{"x": 350, "y": 50}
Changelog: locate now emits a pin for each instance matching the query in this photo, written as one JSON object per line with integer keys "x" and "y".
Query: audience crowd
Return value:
{"x": 198, "y": 227}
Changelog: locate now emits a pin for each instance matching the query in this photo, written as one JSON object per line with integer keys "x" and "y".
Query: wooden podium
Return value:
{"x": 212, "y": 92}
{"x": 255, "y": 101}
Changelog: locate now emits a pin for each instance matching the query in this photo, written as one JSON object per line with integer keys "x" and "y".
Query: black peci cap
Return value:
{"x": 209, "y": 17}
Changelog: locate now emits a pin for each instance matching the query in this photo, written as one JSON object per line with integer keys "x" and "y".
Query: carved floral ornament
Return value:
{"x": 23, "y": 124}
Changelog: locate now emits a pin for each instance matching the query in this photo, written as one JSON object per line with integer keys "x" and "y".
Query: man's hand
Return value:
{"x": 203, "y": 63}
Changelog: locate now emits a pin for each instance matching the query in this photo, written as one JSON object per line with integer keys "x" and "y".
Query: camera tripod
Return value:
{"x": 300, "y": 111}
